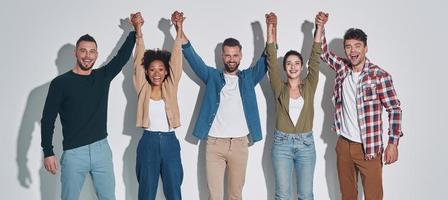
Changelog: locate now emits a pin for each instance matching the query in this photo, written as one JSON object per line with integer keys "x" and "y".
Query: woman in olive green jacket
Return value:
{"x": 293, "y": 147}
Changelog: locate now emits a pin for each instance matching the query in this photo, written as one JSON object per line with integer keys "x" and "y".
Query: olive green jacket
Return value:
{"x": 281, "y": 91}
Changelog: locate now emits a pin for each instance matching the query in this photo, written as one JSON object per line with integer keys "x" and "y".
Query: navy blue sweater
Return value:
{"x": 81, "y": 102}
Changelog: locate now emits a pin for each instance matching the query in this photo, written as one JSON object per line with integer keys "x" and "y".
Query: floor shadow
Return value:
{"x": 307, "y": 44}
{"x": 266, "y": 162}
{"x": 50, "y": 187}
{"x": 200, "y": 168}
{"x": 49, "y": 184}
{"x": 129, "y": 126}
{"x": 328, "y": 136}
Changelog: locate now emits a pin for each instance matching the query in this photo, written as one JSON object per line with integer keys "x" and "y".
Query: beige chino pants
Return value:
{"x": 222, "y": 154}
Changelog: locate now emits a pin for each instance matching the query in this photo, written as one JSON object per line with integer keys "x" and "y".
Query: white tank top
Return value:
{"x": 157, "y": 117}
{"x": 295, "y": 107}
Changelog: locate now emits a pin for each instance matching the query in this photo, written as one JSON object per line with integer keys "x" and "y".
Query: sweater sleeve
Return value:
{"x": 115, "y": 65}
{"x": 50, "y": 112}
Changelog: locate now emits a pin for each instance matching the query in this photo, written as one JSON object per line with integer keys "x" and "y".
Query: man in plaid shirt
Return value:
{"x": 361, "y": 91}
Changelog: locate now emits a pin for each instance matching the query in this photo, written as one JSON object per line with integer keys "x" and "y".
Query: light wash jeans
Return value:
{"x": 293, "y": 151}
{"x": 96, "y": 159}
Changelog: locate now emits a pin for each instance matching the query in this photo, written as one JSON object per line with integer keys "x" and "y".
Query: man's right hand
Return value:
{"x": 137, "y": 21}
{"x": 321, "y": 19}
{"x": 51, "y": 164}
{"x": 177, "y": 18}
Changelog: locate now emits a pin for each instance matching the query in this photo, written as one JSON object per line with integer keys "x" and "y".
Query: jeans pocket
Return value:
{"x": 177, "y": 144}
{"x": 279, "y": 139}
{"x": 245, "y": 141}
{"x": 62, "y": 158}
{"x": 308, "y": 140}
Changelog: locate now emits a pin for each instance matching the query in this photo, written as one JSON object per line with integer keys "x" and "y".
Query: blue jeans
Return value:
{"x": 158, "y": 153}
{"x": 96, "y": 159}
{"x": 293, "y": 151}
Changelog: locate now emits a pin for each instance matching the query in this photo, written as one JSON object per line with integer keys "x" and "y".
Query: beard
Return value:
{"x": 231, "y": 70}
{"x": 83, "y": 67}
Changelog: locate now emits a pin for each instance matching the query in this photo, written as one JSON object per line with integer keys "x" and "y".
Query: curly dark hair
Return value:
{"x": 152, "y": 55}
{"x": 355, "y": 34}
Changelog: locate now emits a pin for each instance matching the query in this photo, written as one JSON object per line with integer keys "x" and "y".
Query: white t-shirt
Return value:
{"x": 230, "y": 120}
{"x": 349, "y": 123}
{"x": 157, "y": 117}
{"x": 295, "y": 107}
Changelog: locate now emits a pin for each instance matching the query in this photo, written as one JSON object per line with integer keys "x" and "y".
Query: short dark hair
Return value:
{"x": 292, "y": 53}
{"x": 355, "y": 34}
{"x": 231, "y": 42}
{"x": 86, "y": 38}
{"x": 152, "y": 55}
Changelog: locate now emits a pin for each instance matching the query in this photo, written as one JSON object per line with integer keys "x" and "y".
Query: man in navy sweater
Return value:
{"x": 80, "y": 98}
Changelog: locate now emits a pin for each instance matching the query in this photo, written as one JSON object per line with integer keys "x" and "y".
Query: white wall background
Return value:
{"x": 407, "y": 38}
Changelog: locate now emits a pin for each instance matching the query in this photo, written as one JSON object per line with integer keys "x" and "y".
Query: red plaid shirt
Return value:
{"x": 374, "y": 90}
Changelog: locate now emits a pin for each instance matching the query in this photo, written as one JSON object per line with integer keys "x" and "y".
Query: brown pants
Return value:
{"x": 350, "y": 161}
{"x": 222, "y": 153}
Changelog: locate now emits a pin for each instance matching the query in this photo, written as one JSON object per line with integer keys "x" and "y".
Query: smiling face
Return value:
{"x": 86, "y": 55}
{"x": 293, "y": 66}
{"x": 231, "y": 57}
{"x": 156, "y": 72}
{"x": 355, "y": 50}
{"x": 355, "y": 47}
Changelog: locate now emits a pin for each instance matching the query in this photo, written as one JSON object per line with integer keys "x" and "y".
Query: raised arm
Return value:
{"x": 197, "y": 64}
{"x": 117, "y": 63}
{"x": 271, "y": 53}
{"x": 258, "y": 71}
{"x": 139, "y": 71}
{"x": 312, "y": 78}
{"x": 333, "y": 61}
{"x": 176, "y": 54}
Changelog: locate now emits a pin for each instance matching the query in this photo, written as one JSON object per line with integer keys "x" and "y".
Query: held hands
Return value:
{"x": 137, "y": 19}
{"x": 271, "y": 22}
{"x": 177, "y": 18}
{"x": 321, "y": 19}
{"x": 51, "y": 164}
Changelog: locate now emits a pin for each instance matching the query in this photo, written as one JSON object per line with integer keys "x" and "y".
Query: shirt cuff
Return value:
{"x": 184, "y": 46}
{"x": 394, "y": 138}
{"x": 48, "y": 152}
